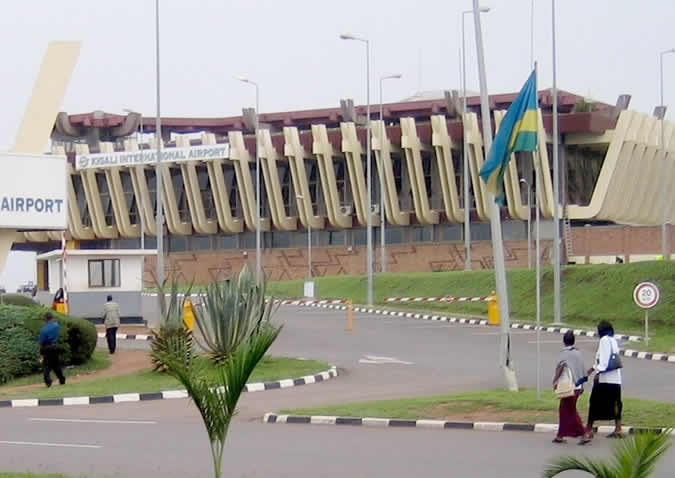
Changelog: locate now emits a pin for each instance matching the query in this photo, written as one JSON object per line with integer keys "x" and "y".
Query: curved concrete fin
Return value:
{"x": 117, "y": 197}
{"x": 269, "y": 158}
{"x": 200, "y": 222}
{"x": 296, "y": 155}
{"x": 412, "y": 147}
{"x": 101, "y": 229}
{"x": 241, "y": 158}
{"x": 475, "y": 142}
{"x": 141, "y": 193}
{"x": 442, "y": 143}
{"x": 382, "y": 149}
{"x": 323, "y": 151}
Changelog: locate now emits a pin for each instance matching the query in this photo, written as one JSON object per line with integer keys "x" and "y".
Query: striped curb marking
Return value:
{"x": 168, "y": 394}
{"x": 446, "y": 298}
{"x": 438, "y": 424}
{"x": 128, "y": 336}
{"x": 653, "y": 356}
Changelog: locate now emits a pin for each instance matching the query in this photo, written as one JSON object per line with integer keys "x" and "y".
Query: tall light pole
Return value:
{"x": 159, "y": 227}
{"x": 557, "y": 295}
{"x": 467, "y": 201}
{"x": 310, "y": 213}
{"x": 529, "y": 222}
{"x": 258, "y": 252}
{"x": 139, "y": 138}
{"x": 369, "y": 212}
{"x": 664, "y": 190}
{"x": 383, "y": 132}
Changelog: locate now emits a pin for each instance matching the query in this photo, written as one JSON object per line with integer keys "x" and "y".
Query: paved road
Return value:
{"x": 175, "y": 446}
{"x": 442, "y": 358}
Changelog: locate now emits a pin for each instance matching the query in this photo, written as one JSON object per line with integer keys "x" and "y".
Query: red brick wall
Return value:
{"x": 619, "y": 240}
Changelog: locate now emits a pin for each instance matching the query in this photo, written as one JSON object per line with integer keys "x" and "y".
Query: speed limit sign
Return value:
{"x": 646, "y": 295}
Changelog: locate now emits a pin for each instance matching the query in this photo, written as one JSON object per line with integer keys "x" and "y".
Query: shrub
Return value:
{"x": 18, "y": 350}
{"x": 17, "y": 299}
{"x": 77, "y": 338}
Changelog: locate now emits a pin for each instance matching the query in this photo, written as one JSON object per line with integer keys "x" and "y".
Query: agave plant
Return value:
{"x": 231, "y": 313}
{"x": 172, "y": 337}
{"x": 634, "y": 457}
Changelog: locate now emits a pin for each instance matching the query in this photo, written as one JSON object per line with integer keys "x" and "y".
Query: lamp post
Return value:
{"x": 369, "y": 212}
{"x": 557, "y": 288}
{"x": 258, "y": 258}
{"x": 310, "y": 213}
{"x": 139, "y": 138}
{"x": 159, "y": 226}
{"x": 383, "y": 132}
{"x": 664, "y": 190}
{"x": 529, "y": 222}
{"x": 467, "y": 202}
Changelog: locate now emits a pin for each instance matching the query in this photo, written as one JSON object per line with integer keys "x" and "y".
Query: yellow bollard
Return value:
{"x": 493, "y": 309}
{"x": 350, "y": 316}
{"x": 188, "y": 314}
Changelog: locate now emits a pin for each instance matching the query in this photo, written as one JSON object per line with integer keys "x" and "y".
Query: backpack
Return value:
{"x": 564, "y": 387}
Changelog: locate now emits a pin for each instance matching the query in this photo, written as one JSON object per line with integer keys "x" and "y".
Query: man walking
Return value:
{"x": 111, "y": 320}
{"x": 49, "y": 335}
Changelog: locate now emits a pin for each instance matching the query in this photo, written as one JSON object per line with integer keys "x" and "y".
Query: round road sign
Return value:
{"x": 646, "y": 295}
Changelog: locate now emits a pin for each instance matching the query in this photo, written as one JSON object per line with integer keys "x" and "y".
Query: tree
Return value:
{"x": 633, "y": 457}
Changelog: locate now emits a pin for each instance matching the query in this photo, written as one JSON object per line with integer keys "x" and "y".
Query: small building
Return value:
{"x": 92, "y": 275}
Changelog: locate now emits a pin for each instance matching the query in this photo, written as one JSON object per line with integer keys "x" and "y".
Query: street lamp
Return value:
{"x": 139, "y": 138}
{"x": 467, "y": 202}
{"x": 383, "y": 241}
{"x": 310, "y": 213}
{"x": 258, "y": 258}
{"x": 664, "y": 191}
{"x": 159, "y": 226}
{"x": 369, "y": 212}
{"x": 529, "y": 223}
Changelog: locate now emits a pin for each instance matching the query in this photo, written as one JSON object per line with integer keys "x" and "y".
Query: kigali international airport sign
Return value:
{"x": 33, "y": 191}
{"x": 149, "y": 157}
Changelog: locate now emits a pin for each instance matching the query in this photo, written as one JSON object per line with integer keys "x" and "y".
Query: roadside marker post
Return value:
{"x": 646, "y": 295}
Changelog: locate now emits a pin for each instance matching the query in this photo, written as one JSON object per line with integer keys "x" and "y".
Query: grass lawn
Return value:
{"x": 492, "y": 405}
{"x": 98, "y": 361}
{"x": 590, "y": 293}
{"x": 270, "y": 368}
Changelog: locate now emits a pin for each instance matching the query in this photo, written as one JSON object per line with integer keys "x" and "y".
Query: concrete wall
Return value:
{"x": 78, "y": 273}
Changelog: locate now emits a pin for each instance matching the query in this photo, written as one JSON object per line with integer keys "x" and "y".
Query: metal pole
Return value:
{"x": 309, "y": 238}
{"x": 495, "y": 223}
{"x": 159, "y": 228}
{"x": 556, "y": 187}
{"x": 532, "y": 34}
{"x": 258, "y": 249}
{"x": 369, "y": 212}
{"x": 383, "y": 201}
{"x": 467, "y": 201}
{"x": 665, "y": 252}
{"x": 140, "y": 198}
{"x": 529, "y": 223}
{"x": 538, "y": 260}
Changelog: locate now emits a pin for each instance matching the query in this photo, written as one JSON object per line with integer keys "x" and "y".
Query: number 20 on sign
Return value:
{"x": 646, "y": 295}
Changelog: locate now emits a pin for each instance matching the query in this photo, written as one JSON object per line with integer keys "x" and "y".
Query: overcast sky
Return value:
{"x": 291, "y": 48}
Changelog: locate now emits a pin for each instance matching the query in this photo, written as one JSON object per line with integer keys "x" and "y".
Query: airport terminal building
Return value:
{"x": 313, "y": 175}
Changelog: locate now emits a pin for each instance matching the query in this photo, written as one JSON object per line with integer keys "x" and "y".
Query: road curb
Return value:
{"x": 143, "y": 337}
{"x": 165, "y": 395}
{"x": 636, "y": 354}
{"x": 436, "y": 424}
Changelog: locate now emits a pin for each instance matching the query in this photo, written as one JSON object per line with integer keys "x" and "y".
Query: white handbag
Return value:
{"x": 564, "y": 387}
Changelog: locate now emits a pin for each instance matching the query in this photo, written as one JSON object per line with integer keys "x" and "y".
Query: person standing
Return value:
{"x": 49, "y": 336}
{"x": 605, "y": 402}
{"x": 569, "y": 421}
{"x": 111, "y": 320}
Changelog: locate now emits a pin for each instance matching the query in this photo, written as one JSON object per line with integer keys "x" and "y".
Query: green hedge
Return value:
{"x": 18, "y": 350}
{"x": 17, "y": 299}
{"x": 77, "y": 337}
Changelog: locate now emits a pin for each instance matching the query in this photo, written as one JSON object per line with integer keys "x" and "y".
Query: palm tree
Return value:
{"x": 216, "y": 395}
{"x": 634, "y": 457}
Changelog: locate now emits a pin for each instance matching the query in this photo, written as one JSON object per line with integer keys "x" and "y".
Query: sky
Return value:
{"x": 292, "y": 49}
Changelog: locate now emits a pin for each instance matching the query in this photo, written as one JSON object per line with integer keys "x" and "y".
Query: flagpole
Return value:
{"x": 556, "y": 187}
{"x": 495, "y": 222}
{"x": 538, "y": 260}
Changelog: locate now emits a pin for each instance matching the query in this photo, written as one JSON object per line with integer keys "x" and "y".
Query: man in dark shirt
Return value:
{"x": 49, "y": 335}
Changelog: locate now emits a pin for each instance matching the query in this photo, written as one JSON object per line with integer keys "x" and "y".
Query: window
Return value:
{"x": 104, "y": 273}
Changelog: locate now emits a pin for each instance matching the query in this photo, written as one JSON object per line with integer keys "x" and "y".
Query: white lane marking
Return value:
{"x": 82, "y": 420}
{"x": 60, "y": 445}
{"x": 374, "y": 359}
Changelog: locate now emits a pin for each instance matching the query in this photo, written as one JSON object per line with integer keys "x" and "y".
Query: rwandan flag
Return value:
{"x": 517, "y": 132}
